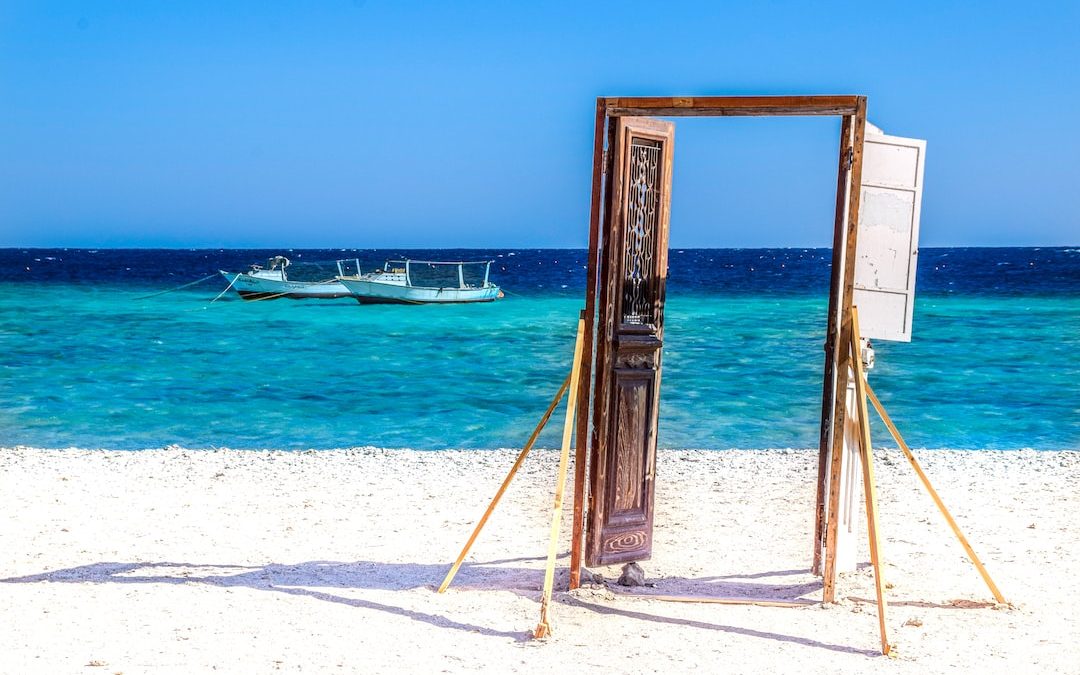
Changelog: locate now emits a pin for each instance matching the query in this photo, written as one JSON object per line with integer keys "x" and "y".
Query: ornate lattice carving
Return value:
{"x": 642, "y": 203}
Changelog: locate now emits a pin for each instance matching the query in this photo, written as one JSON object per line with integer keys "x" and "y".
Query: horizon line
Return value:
{"x": 472, "y": 248}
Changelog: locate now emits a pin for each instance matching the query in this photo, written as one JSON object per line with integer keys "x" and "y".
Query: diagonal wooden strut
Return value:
{"x": 544, "y": 628}
{"x": 869, "y": 485}
{"x": 934, "y": 495}
{"x": 505, "y": 484}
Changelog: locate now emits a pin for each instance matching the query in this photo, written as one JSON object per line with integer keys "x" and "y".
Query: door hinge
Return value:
{"x": 850, "y": 159}
{"x": 603, "y": 162}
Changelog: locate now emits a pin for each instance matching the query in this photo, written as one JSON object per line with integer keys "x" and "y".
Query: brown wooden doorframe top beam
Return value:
{"x": 729, "y": 106}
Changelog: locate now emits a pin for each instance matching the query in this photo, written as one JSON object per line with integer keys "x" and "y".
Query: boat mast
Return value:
{"x": 487, "y": 271}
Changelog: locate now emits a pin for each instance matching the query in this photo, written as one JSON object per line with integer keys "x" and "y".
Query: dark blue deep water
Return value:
{"x": 86, "y": 360}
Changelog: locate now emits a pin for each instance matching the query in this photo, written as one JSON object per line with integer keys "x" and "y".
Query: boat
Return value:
{"x": 420, "y": 282}
{"x": 271, "y": 281}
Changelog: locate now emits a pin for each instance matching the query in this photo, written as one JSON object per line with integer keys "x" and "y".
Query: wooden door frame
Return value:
{"x": 852, "y": 110}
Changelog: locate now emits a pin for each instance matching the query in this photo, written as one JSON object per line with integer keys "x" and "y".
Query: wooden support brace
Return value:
{"x": 544, "y": 628}
{"x": 934, "y": 495}
{"x": 505, "y": 484}
{"x": 866, "y": 453}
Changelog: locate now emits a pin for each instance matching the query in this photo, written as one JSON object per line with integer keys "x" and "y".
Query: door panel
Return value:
{"x": 629, "y": 488}
{"x": 888, "y": 241}
{"x": 629, "y": 342}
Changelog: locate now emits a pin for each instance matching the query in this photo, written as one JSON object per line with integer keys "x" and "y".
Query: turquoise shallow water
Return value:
{"x": 91, "y": 365}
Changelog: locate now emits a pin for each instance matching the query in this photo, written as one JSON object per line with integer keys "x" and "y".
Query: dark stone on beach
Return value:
{"x": 632, "y": 575}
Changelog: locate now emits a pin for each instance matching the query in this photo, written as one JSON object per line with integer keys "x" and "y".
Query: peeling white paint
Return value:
{"x": 888, "y": 242}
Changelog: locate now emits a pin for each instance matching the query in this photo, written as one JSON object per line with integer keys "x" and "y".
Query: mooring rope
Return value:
{"x": 154, "y": 295}
{"x": 226, "y": 289}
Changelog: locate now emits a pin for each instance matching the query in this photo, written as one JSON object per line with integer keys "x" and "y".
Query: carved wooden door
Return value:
{"x": 630, "y": 333}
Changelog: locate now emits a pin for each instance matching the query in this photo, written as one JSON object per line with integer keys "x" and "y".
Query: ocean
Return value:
{"x": 87, "y": 360}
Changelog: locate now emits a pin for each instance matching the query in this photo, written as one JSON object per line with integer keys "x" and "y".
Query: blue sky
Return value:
{"x": 376, "y": 123}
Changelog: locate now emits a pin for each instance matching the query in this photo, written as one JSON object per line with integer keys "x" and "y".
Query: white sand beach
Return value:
{"x": 178, "y": 561}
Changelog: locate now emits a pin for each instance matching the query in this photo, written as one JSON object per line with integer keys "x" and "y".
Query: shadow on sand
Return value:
{"x": 312, "y": 580}
{"x": 318, "y": 579}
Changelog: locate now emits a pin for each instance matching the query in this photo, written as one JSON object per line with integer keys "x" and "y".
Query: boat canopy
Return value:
{"x": 442, "y": 274}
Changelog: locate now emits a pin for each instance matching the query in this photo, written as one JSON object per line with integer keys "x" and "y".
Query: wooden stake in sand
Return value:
{"x": 869, "y": 485}
{"x": 505, "y": 484}
{"x": 934, "y": 495}
{"x": 544, "y": 628}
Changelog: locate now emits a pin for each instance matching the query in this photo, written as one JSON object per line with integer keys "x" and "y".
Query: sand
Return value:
{"x": 178, "y": 561}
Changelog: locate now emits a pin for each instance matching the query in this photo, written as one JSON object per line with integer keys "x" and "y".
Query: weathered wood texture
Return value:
{"x": 577, "y": 540}
{"x": 892, "y": 186}
{"x": 843, "y": 354}
{"x": 730, "y": 106}
{"x": 629, "y": 342}
{"x": 853, "y": 111}
{"x": 828, "y": 388}
{"x": 600, "y": 334}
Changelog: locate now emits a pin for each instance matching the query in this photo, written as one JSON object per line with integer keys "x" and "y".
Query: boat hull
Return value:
{"x": 255, "y": 288}
{"x": 374, "y": 292}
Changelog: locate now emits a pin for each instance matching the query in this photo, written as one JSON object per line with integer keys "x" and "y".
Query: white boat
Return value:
{"x": 418, "y": 282}
{"x": 272, "y": 281}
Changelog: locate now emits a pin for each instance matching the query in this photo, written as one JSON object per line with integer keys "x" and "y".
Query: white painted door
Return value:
{"x": 888, "y": 243}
